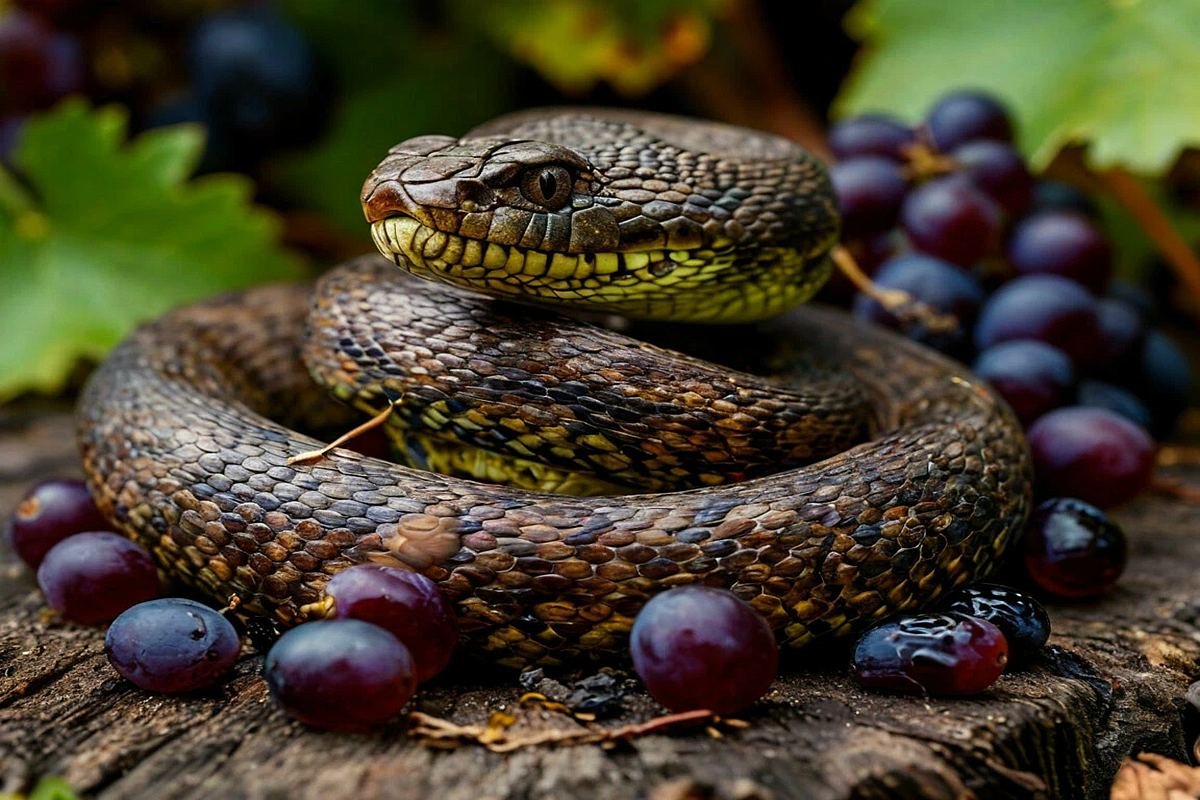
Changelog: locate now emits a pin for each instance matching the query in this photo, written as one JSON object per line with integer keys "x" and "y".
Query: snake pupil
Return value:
{"x": 548, "y": 184}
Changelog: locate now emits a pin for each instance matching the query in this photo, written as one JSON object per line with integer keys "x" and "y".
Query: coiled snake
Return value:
{"x": 861, "y": 476}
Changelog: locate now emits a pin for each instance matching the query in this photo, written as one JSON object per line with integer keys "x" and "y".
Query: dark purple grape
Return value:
{"x": 948, "y": 654}
{"x": 38, "y": 64}
{"x": 1119, "y": 334}
{"x": 93, "y": 577}
{"x": 965, "y": 116}
{"x": 341, "y": 674}
{"x": 698, "y": 647}
{"x": 871, "y": 135}
{"x": 1164, "y": 380}
{"x": 1072, "y": 549}
{"x": 1056, "y": 196}
{"x": 50, "y": 512}
{"x": 1092, "y": 454}
{"x": 172, "y": 645}
{"x": 870, "y": 190}
{"x": 939, "y": 285}
{"x": 1021, "y": 618}
{"x": 405, "y": 603}
{"x": 1135, "y": 296}
{"x": 1099, "y": 394}
{"x": 1032, "y": 376}
{"x": 949, "y": 218}
{"x": 1062, "y": 243}
{"x": 999, "y": 170}
{"x": 1048, "y": 308}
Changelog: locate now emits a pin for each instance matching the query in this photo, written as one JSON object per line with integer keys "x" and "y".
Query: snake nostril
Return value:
{"x": 473, "y": 195}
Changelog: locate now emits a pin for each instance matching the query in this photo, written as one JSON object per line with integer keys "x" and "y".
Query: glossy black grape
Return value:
{"x": 1062, "y": 243}
{"x": 341, "y": 674}
{"x": 698, "y": 647}
{"x": 999, "y": 170}
{"x": 871, "y": 135}
{"x": 1032, "y": 376}
{"x": 172, "y": 645}
{"x": 93, "y": 577}
{"x": 950, "y": 218}
{"x": 1100, "y": 394}
{"x": 50, "y": 512}
{"x": 936, "y": 283}
{"x": 1073, "y": 549}
{"x": 405, "y": 603}
{"x": 1020, "y": 617}
{"x": 1048, "y": 308}
{"x": 870, "y": 190}
{"x": 947, "y": 654}
{"x": 1092, "y": 454}
{"x": 966, "y": 116}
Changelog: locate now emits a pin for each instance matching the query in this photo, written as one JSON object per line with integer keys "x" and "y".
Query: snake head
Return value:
{"x": 606, "y": 214}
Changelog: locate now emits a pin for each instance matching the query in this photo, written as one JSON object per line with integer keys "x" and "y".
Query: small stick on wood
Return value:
{"x": 373, "y": 422}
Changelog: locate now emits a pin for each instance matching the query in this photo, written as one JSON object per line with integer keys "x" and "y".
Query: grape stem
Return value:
{"x": 1170, "y": 243}
{"x": 896, "y": 302}
{"x": 321, "y": 452}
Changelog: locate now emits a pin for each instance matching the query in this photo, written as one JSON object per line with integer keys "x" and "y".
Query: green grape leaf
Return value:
{"x": 53, "y": 789}
{"x": 1120, "y": 75}
{"x": 97, "y": 235}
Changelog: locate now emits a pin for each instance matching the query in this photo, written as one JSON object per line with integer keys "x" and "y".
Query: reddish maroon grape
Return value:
{"x": 1032, "y": 376}
{"x": 871, "y": 135}
{"x": 949, "y": 654}
{"x": 936, "y": 283}
{"x": 172, "y": 645}
{"x": 1100, "y": 394}
{"x": 1072, "y": 549}
{"x": 869, "y": 189}
{"x": 93, "y": 577}
{"x": 1020, "y": 617}
{"x": 1056, "y": 196}
{"x": 697, "y": 647}
{"x": 405, "y": 603}
{"x": 38, "y": 64}
{"x": 1062, "y": 243}
{"x": 341, "y": 674}
{"x": 965, "y": 116}
{"x": 949, "y": 218}
{"x": 1092, "y": 454}
{"x": 999, "y": 170}
{"x": 1048, "y": 308}
{"x": 49, "y": 513}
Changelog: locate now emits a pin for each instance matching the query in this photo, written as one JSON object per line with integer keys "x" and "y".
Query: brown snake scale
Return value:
{"x": 864, "y": 476}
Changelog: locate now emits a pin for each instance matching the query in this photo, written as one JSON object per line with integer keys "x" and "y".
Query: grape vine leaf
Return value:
{"x": 97, "y": 235}
{"x": 1120, "y": 75}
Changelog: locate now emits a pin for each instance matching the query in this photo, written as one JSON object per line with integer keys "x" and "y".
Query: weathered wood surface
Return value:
{"x": 1114, "y": 682}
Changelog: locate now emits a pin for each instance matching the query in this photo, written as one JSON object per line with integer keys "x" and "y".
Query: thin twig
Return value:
{"x": 373, "y": 422}
{"x": 896, "y": 302}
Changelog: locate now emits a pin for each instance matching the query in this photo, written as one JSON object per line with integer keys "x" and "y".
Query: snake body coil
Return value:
{"x": 184, "y": 436}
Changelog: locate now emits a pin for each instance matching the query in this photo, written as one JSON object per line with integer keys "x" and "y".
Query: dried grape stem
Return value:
{"x": 896, "y": 302}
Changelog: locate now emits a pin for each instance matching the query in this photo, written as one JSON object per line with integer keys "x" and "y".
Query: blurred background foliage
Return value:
{"x": 285, "y": 106}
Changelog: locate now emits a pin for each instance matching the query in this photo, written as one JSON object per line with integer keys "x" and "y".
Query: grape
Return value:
{"x": 966, "y": 116}
{"x": 871, "y": 135}
{"x": 1062, "y": 243}
{"x": 1164, "y": 380}
{"x": 1119, "y": 334}
{"x": 38, "y": 65}
{"x": 1092, "y": 454}
{"x": 999, "y": 170}
{"x": 939, "y": 285}
{"x": 1072, "y": 549}
{"x": 172, "y": 645}
{"x": 949, "y": 218}
{"x": 93, "y": 577}
{"x": 1099, "y": 394}
{"x": 949, "y": 654}
{"x": 1048, "y": 308}
{"x": 10, "y": 135}
{"x": 49, "y": 513}
{"x": 1021, "y": 618}
{"x": 1135, "y": 296}
{"x": 1055, "y": 196}
{"x": 341, "y": 674}
{"x": 405, "y": 603}
{"x": 1032, "y": 376}
{"x": 698, "y": 647}
{"x": 869, "y": 191}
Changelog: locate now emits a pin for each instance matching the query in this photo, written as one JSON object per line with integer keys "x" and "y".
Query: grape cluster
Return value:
{"x": 950, "y": 213}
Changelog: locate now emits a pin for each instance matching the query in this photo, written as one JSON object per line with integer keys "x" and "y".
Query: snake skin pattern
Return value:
{"x": 187, "y": 430}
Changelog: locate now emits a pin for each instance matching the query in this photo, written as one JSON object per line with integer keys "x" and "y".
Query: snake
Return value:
{"x": 555, "y": 465}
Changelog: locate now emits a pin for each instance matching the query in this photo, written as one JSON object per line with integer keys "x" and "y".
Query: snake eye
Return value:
{"x": 547, "y": 187}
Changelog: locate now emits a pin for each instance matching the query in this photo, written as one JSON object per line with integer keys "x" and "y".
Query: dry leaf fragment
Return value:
{"x": 1150, "y": 776}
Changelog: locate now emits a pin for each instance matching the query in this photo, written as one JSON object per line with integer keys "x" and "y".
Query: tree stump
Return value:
{"x": 1114, "y": 681}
